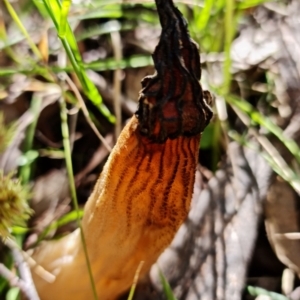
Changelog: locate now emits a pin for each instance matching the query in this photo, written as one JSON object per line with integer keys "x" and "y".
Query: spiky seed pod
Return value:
{"x": 14, "y": 208}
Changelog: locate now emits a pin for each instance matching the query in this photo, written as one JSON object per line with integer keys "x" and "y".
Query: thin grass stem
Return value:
{"x": 229, "y": 34}
{"x": 17, "y": 20}
{"x": 135, "y": 280}
{"x": 68, "y": 159}
{"x": 36, "y": 102}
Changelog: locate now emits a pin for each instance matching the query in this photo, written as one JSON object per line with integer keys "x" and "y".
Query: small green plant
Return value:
{"x": 14, "y": 208}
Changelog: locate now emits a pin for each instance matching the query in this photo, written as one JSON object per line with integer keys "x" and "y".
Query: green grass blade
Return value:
{"x": 229, "y": 34}
{"x": 18, "y": 230}
{"x": 65, "y": 7}
{"x": 257, "y": 118}
{"x": 41, "y": 8}
{"x": 110, "y": 64}
{"x": 256, "y": 291}
{"x": 68, "y": 159}
{"x": 13, "y": 294}
{"x": 204, "y": 15}
{"x": 135, "y": 61}
{"x": 68, "y": 218}
{"x": 166, "y": 287}
{"x": 17, "y": 20}
{"x": 108, "y": 27}
{"x": 251, "y": 3}
{"x": 110, "y": 13}
{"x": 70, "y": 45}
{"x": 35, "y": 106}
{"x": 287, "y": 173}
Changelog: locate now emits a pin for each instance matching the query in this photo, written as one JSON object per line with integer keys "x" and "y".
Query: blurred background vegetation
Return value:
{"x": 70, "y": 76}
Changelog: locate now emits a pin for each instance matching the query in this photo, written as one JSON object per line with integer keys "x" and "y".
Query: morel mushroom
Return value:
{"x": 144, "y": 191}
